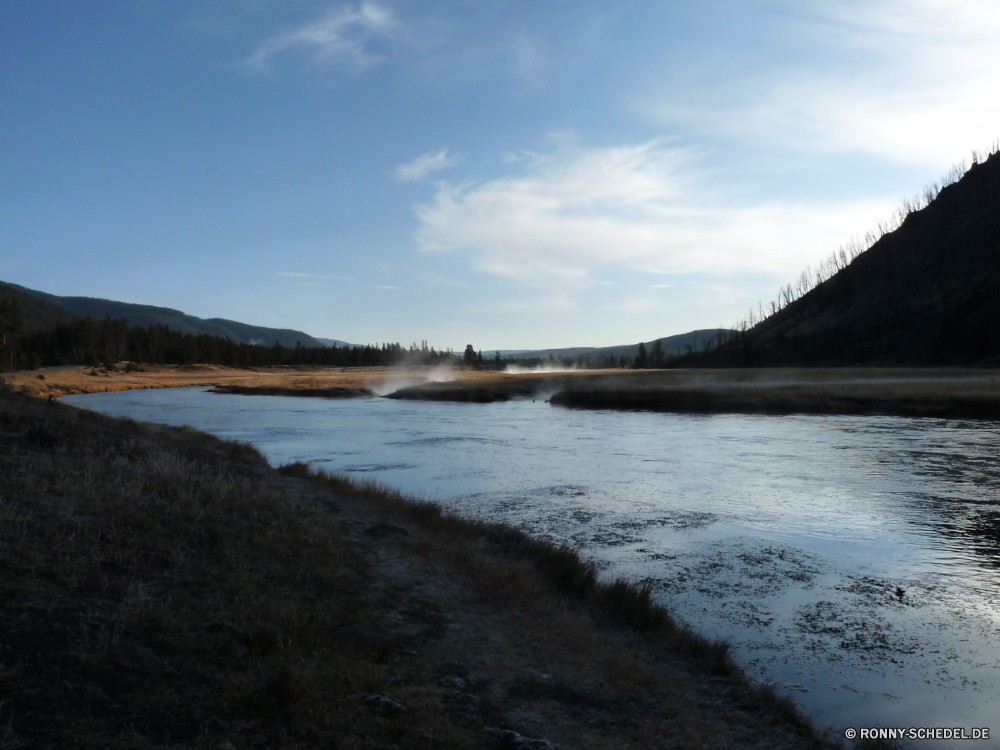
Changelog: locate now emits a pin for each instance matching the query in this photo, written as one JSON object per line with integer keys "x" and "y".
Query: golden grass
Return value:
{"x": 916, "y": 391}
{"x": 62, "y": 382}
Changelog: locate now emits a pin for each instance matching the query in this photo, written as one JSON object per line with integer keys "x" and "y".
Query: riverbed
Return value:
{"x": 854, "y": 561}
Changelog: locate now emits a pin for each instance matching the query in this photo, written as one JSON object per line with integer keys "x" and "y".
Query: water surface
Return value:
{"x": 855, "y": 561}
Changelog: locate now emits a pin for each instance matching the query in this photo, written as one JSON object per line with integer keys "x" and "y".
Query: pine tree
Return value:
{"x": 642, "y": 359}
{"x": 657, "y": 354}
{"x": 10, "y": 329}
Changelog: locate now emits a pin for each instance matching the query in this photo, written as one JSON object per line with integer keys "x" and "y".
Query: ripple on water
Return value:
{"x": 855, "y": 561}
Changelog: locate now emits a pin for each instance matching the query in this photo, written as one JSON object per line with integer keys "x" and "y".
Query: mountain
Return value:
{"x": 671, "y": 344}
{"x": 38, "y": 309}
{"x": 337, "y": 342}
{"x": 41, "y": 310}
{"x": 923, "y": 294}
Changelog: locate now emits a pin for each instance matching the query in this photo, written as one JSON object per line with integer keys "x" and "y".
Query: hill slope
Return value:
{"x": 925, "y": 293}
{"x": 43, "y": 310}
{"x": 671, "y": 344}
{"x": 38, "y": 309}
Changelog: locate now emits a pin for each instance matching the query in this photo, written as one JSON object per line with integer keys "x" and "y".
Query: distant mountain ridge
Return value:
{"x": 43, "y": 310}
{"x": 337, "y": 342}
{"x": 676, "y": 344}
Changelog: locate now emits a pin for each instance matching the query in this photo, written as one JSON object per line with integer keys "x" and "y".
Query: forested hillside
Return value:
{"x": 601, "y": 356}
{"x": 925, "y": 293}
{"x": 86, "y": 340}
{"x": 41, "y": 310}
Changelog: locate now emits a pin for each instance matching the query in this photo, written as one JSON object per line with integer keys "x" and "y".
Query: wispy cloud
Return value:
{"x": 293, "y": 275}
{"x": 343, "y": 35}
{"x": 645, "y": 207}
{"x": 425, "y": 164}
{"x": 912, "y": 81}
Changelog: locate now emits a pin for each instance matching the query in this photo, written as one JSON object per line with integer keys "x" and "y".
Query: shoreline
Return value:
{"x": 543, "y": 649}
{"x": 911, "y": 392}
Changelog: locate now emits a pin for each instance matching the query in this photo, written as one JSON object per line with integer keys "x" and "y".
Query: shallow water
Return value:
{"x": 855, "y": 561}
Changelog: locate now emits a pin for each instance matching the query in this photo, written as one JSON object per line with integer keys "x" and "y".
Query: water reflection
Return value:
{"x": 851, "y": 559}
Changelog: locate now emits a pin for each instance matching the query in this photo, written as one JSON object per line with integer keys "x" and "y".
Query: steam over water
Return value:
{"x": 853, "y": 560}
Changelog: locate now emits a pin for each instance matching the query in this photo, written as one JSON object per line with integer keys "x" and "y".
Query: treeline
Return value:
{"x": 87, "y": 341}
{"x": 654, "y": 357}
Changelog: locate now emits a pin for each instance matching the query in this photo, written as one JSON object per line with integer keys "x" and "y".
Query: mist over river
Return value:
{"x": 854, "y": 561}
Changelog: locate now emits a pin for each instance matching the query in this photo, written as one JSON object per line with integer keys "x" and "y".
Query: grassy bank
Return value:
{"x": 63, "y": 382}
{"x": 941, "y": 399}
{"x": 162, "y": 588}
{"x": 937, "y": 392}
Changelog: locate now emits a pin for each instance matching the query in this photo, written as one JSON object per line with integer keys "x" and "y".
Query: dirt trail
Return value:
{"x": 528, "y": 660}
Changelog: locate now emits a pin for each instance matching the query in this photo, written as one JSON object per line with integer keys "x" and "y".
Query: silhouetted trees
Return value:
{"x": 656, "y": 356}
{"x": 11, "y": 325}
{"x": 469, "y": 356}
{"x": 93, "y": 342}
{"x": 642, "y": 358}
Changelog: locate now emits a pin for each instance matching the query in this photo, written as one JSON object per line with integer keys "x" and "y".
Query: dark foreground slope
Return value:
{"x": 160, "y": 588}
{"x": 926, "y": 293}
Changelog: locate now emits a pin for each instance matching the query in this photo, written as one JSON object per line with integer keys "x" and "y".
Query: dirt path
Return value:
{"x": 502, "y": 653}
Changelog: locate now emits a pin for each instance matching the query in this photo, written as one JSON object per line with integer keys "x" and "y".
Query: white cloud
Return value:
{"x": 642, "y": 207}
{"x": 423, "y": 165}
{"x": 343, "y": 35}
{"x": 912, "y": 81}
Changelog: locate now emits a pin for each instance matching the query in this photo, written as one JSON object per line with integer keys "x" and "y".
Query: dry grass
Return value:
{"x": 918, "y": 392}
{"x": 162, "y": 588}
{"x": 942, "y": 392}
{"x": 533, "y": 569}
{"x": 166, "y": 594}
{"x": 914, "y": 392}
{"x": 80, "y": 380}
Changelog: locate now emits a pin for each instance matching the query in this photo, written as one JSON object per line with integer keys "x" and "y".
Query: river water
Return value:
{"x": 854, "y": 561}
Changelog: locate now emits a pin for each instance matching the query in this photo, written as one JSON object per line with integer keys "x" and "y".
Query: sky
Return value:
{"x": 506, "y": 174}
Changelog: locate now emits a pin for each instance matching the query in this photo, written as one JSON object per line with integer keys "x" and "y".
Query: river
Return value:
{"x": 854, "y": 561}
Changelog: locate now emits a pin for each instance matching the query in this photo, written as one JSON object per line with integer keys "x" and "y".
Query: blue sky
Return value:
{"x": 503, "y": 174}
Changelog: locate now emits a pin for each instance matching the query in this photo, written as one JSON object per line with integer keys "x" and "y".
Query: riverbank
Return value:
{"x": 165, "y": 588}
{"x": 67, "y": 381}
{"x": 921, "y": 392}
{"x": 323, "y": 382}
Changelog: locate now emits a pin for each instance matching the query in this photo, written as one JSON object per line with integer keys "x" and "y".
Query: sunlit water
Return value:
{"x": 854, "y": 561}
